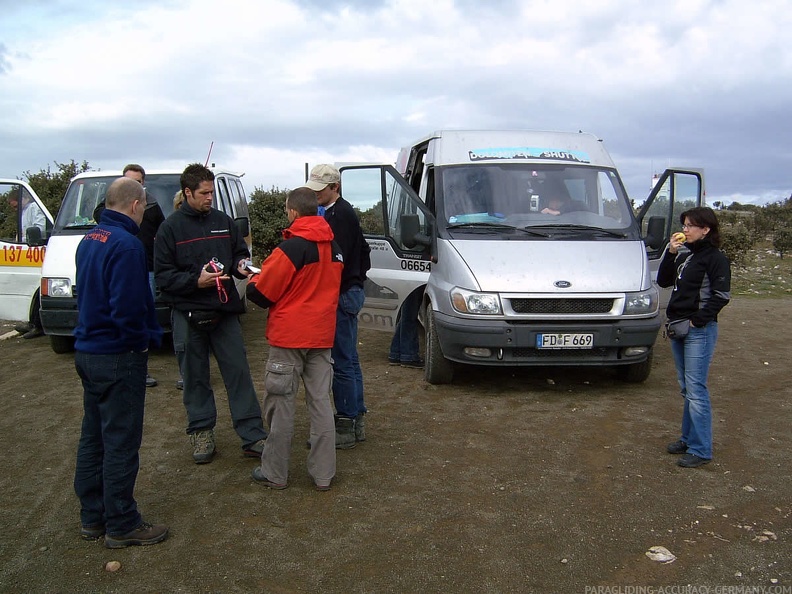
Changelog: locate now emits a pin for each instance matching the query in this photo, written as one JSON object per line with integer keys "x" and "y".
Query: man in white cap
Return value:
{"x": 325, "y": 180}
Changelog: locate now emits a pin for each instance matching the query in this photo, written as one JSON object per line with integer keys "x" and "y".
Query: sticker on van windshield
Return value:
{"x": 528, "y": 153}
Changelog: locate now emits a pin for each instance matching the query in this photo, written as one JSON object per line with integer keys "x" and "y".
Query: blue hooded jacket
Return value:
{"x": 116, "y": 308}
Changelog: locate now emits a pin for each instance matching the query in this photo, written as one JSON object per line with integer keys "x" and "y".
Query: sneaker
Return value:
{"x": 416, "y": 364}
{"x": 150, "y": 381}
{"x": 145, "y": 534}
{"x": 92, "y": 532}
{"x": 677, "y": 447}
{"x": 254, "y": 450}
{"x": 692, "y": 461}
{"x": 393, "y": 361}
{"x": 263, "y": 480}
{"x": 180, "y": 384}
{"x": 203, "y": 446}
{"x": 322, "y": 487}
{"x": 360, "y": 428}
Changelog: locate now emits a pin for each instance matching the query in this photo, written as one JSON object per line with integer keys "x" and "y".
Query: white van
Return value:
{"x": 75, "y": 218}
{"x": 25, "y": 225}
{"x": 526, "y": 248}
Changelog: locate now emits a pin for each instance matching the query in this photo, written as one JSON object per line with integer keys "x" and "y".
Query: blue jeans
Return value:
{"x": 114, "y": 392}
{"x": 347, "y": 375}
{"x": 404, "y": 345}
{"x": 692, "y": 356}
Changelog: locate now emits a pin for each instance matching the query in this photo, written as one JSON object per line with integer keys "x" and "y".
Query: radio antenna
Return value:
{"x": 209, "y": 155}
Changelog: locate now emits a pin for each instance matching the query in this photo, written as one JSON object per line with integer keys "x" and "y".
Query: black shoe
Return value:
{"x": 261, "y": 479}
{"x": 34, "y": 333}
{"x": 392, "y": 361}
{"x": 676, "y": 447}
{"x": 150, "y": 381}
{"x": 23, "y": 328}
{"x": 692, "y": 461}
{"x": 145, "y": 534}
{"x": 92, "y": 532}
{"x": 417, "y": 364}
{"x": 180, "y": 384}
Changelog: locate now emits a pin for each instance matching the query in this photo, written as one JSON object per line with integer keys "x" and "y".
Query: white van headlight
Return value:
{"x": 645, "y": 302}
{"x": 475, "y": 303}
{"x": 59, "y": 287}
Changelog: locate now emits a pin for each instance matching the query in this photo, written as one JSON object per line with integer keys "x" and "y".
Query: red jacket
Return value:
{"x": 300, "y": 283}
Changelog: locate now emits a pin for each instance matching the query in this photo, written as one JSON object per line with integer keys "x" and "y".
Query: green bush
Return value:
{"x": 267, "y": 220}
{"x": 736, "y": 243}
{"x": 782, "y": 240}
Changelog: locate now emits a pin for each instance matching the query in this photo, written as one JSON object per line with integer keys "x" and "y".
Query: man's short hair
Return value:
{"x": 134, "y": 167}
{"x": 123, "y": 192}
{"x": 303, "y": 200}
{"x": 193, "y": 175}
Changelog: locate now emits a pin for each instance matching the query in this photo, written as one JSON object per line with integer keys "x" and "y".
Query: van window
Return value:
{"x": 18, "y": 213}
{"x": 524, "y": 195}
{"x": 237, "y": 198}
{"x": 242, "y": 206}
{"x": 222, "y": 197}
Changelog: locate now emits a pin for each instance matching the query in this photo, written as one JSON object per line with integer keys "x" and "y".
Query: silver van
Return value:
{"x": 75, "y": 218}
{"x": 525, "y": 246}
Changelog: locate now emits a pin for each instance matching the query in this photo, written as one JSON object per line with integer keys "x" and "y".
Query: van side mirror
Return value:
{"x": 243, "y": 226}
{"x": 34, "y": 236}
{"x": 655, "y": 232}
{"x": 410, "y": 232}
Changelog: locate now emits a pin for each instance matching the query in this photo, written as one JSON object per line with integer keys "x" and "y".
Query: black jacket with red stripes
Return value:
{"x": 186, "y": 241}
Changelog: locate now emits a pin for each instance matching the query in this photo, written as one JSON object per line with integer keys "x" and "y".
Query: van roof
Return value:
{"x": 456, "y": 147}
{"x": 118, "y": 172}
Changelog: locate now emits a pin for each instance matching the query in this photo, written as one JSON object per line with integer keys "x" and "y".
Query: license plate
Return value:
{"x": 564, "y": 341}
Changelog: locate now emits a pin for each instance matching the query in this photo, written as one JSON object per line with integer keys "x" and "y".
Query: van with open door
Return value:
{"x": 25, "y": 226}
{"x": 75, "y": 219}
{"x": 525, "y": 246}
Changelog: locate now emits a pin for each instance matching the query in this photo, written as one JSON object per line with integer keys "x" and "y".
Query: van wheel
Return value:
{"x": 62, "y": 344}
{"x": 637, "y": 372}
{"x": 437, "y": 369}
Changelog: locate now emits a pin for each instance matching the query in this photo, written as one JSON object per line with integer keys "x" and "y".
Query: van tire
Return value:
{"x": 62, "y": 344}
{"x": 437, "y": 369}
{"x": 637, "y": 372}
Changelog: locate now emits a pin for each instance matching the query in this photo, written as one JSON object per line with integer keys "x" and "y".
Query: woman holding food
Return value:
{"x": 701, "y": 278}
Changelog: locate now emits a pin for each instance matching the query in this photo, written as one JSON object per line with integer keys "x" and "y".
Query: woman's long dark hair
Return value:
{"x": 703, "y": 216}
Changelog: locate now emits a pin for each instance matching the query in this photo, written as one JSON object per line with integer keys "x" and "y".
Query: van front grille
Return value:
{"x": 561, "y": 306}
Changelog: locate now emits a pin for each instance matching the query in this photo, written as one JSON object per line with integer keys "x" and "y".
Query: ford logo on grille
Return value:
{"x": 562, "y": 284}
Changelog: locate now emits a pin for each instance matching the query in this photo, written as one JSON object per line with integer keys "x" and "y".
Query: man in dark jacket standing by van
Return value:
{"x": 325, "y": 180}
{"x": 197, "y": 250}
{"x": 116, "y": 324}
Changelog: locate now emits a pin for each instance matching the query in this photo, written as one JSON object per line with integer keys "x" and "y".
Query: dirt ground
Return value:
{"x": 518, "y": 480}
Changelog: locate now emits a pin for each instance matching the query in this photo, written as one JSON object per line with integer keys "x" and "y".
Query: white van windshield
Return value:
{"x": 85, "y": 194}
{"x": 532, "y": 195}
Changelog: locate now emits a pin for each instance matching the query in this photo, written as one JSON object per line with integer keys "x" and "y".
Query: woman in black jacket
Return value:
{"x": 701, "y": 278}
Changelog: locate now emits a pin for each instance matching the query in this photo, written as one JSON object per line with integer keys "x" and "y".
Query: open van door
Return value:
{"x": 398, "y": 228}
{"x": 25, "y": 227}
{"x": 674, "y": 192}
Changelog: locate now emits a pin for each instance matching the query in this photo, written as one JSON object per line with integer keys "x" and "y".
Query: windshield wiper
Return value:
{"x": 495, "y": 226}
{"x": 583, "y": 228}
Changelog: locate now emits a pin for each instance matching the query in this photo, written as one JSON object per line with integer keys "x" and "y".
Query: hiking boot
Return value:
{"x": 203, "y": 446}
{"x": 150, "y": 381}
{"x": 35, "y": 332}
{"x": 676, "y": 447}
{"x": 145, "y": 534}
{"x": 415, "y": 364}
{"x": 92, "y": 532}
{"x": 360, "y": 427}
{"x": 180, "y": 384}
{"x": 257, "y": 476}
{"x": 345, "y": 433}
{"x": 23, "y": 328}
{"x": 692, "y": 461}
{"x": 254, "y": 449}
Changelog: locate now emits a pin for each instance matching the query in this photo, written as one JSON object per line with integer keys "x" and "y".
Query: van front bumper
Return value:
{"x": 513, "y": 343}
{"x": 59, "y": 315}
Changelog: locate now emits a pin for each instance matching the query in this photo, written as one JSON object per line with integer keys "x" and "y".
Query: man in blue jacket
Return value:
{"x": 116, "y": 325}
{"x": 197, "y": 251}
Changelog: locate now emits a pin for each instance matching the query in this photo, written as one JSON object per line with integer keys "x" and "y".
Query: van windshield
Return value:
{"x": 568, "y": 198}
{"x": 84, "y": 194}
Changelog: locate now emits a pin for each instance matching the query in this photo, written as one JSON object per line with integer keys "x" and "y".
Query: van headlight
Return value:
{"x": 475, "y": 303}
{"x": 645, "y": 302}
{"x": 59, "y": 287}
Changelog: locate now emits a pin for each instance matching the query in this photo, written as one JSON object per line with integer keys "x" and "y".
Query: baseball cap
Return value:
{"x": 321, "y": 176}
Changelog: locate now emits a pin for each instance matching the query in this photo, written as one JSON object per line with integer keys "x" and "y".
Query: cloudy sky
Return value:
{"x": 278, "y": 83}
